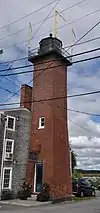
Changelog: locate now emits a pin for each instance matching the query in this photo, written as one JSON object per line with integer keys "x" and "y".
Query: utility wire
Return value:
{"x": 56, "y": 98}
{"x": 84, "y": 94}
{"x": 38, "y": 70}
{"x": 2, "y": 88}
{"x": 49, "y": 14}
{"x": 28, "y": 83}
{"x": 68, "y": 8}
{"x": 29, "y": 14}
{"x": 12, "y": 82}
{"x": 86, "y": 59}
{"x": 77, "y": 111}
{"x": 33, "y": 37}
{"x": 8, "y": 79}
{"x": 84, "y": 42}
{"x": 82, "y": 127}
{"x": 16, "y": 93}
{"x": 57, "y": 1}
{"x": 80, "y": 39}
{"x": 92, "y": 28}
{"x": 45, "y": 62}
{"x": 60, "y": 27}
{"x": 81, "y": 112}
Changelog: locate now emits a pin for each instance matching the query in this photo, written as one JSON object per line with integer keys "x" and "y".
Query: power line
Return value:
{"x": 33, "y": 37}
{"x": 71, "y": 22}
{"x": 86, "y": 59}
{"x": 84, "y": 94}
{"x": 2, "y": 88}
{"x": 81, "y": 112}
{"x": 35, "y": 11}
{"x": 84, "y": 42}
{"x": 45, "y": 62}
{"x": 55, "y": 98}
{"x": 20, "y": 59}
{"x": 80, "y": 126}
{"x": 85, "y": 34}
{"x": 30, "y": 71}
{"x": 57, "y": 1}
{"x": 80, "y": 39}
{"x": 68, "y": 8}
{"x": 19, "y": 89}
{"x": 28, "y": 83}
{"x": 43, "y": 22}
{"x": 12, "y": 82}
{"x": 78, "y": 19}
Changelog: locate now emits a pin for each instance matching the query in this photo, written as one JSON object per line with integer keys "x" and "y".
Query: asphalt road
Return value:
{"x": 89, "y": 206}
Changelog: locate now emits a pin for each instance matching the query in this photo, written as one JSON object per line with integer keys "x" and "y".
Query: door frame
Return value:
{"x": 35, "y": 174}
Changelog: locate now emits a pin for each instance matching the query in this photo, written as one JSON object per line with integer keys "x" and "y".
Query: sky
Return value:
{"x": 84, "y": 130}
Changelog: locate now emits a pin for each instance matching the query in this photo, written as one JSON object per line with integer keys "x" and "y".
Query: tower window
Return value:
{"x": 11, "y": 123}
{"x": 9, "y": 147}
{"x": 41, "y": 123}
{"x": 7, "y": 177}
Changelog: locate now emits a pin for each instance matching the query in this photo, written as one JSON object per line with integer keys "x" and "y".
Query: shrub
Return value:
{"x": 6, "y": 195}
{"x": 44, "y": 195}
{"x": 99, "y": 187}
{"x": 25, "y": 191}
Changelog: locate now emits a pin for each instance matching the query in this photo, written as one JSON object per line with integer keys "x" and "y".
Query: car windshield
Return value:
{"x": 85, "y": 182}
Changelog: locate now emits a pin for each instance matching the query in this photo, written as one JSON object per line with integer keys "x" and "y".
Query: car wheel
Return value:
{"x": 93, "y": 193}
{"x": 81, "y": 194}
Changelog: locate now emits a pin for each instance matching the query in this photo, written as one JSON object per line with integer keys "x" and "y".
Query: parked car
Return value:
{"x": 82, "y": 187}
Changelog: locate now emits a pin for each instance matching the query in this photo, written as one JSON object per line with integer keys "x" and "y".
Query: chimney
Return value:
{"x": 26, "y": 97}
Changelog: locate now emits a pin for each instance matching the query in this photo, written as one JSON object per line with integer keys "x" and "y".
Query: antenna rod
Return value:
{"x": 55, "y": 24}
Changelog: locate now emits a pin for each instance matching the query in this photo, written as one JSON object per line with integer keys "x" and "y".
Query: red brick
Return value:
{"x": 54, "y": 150}
{"x": 26, "y": 97}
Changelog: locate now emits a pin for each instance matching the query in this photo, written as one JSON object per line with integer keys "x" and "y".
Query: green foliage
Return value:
{"x": 96, "y": 183}
{"x": 25, "y": 191}
{"x": 44, "y": 195}
{"x": 77, "y": 174}
{"x": 6, "y": 195}
{"x": 73, "y": 161}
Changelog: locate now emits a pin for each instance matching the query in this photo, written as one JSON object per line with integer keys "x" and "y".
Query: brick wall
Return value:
{"x": 26, "y": 97}
{"x": 54, "y": 138}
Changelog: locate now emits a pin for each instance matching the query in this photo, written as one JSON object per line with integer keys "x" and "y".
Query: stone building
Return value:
{"x": 14, "y": 139}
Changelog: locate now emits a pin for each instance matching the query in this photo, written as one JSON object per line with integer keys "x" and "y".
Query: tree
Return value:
{"x": 77, "y": 174}
{"x": 73, "y": 160}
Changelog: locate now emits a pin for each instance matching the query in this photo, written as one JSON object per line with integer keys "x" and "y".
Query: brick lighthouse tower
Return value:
{"x": 49, "y": 158}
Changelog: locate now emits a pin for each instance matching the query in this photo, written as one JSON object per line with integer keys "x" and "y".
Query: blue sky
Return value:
{"x": 83, "y": 77}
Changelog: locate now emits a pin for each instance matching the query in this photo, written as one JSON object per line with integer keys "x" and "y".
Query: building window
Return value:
{"x": 11, "y": 123}
{"x": 41, "y": 123}
{"x": 7, "y": 178}
{"x": 9, "y": 149}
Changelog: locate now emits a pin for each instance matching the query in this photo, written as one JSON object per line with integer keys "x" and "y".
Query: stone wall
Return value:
{"x": 21, "y": 141}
